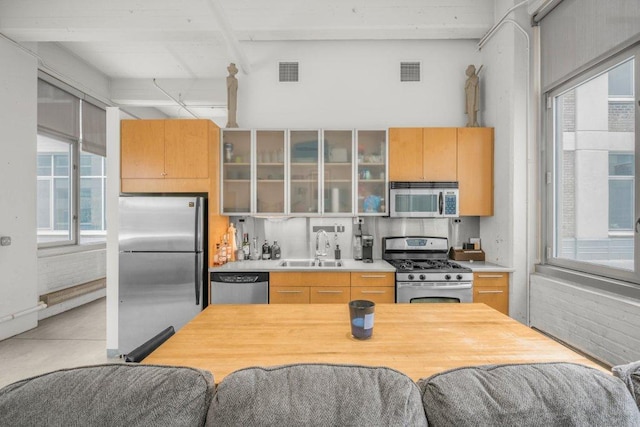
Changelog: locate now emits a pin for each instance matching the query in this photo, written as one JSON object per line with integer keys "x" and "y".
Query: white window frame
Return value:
{"x": 597, "y": 274}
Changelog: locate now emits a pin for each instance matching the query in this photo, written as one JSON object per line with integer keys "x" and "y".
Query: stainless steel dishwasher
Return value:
{"x": 240, "y": 288}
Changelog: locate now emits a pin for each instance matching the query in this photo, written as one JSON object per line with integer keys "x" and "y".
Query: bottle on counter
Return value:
{"x": 275, "y": 250}
{"x": 255, "y": 254}
{"x": 223, "y": 252}
{"x": 216, "y": 255}
{"x": 337, "y": 252}
{"x": 266, "y": 251}
{"x": 246, "y": 248}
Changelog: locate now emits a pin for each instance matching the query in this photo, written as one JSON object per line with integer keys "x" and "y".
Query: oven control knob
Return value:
{"x": 410, "y": 277}
{"x": 447, "y": 276}
{"x": 422, "y": 277}
{"x": 459, "y": 277}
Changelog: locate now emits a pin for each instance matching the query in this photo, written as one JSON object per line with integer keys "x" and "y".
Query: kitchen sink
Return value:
{"x": 310, "y": 263}
{"x": 297, "y": 263}
{"x": 331, "y": 264}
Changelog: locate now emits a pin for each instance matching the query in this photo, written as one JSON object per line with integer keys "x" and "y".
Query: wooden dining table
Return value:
{"x": 416, "y": 339}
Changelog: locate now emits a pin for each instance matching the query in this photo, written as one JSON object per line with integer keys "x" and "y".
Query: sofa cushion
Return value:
{"x": 109, "y": 395}
{"x": 630, "y": 375}
{"x": 541, "y": 394}
{"x": 317, "y": 395}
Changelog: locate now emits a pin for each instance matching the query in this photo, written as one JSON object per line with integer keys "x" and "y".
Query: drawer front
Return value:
{"x": 492, "y": 279}
{"x": 494, "y": 297}
{"x": 288, "y": 295}
{"x": 298, "y": 278}
{"x": 373, "y": 278}
{"x": 330, "y": 294}
{"x": 377, "y": 294}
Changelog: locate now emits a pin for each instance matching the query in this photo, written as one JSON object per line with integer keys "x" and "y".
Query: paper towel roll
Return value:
{"x": 335, "y": 200}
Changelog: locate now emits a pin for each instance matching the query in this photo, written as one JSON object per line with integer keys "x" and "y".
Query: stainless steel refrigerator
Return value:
{"x": 162, "y": 265}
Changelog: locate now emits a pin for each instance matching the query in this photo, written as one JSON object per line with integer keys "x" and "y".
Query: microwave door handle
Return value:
{"x": 440, "y": 203}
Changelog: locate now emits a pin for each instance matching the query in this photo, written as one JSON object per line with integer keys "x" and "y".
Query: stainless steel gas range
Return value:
{"x": 423, "y": 271}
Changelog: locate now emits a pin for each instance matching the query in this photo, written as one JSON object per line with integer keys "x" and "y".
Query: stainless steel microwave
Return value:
{"x": 424, "y": 199}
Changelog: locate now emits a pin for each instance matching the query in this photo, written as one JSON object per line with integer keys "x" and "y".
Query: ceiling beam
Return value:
{"x": 196, "y": 92}
{"x": 233, "y": 44}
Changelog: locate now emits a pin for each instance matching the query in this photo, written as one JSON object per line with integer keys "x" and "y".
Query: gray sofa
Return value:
{"x": 552, "y": 394}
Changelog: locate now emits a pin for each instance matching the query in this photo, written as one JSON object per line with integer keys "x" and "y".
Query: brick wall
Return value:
{"x": 65, "y": 270}
{"x": 621, "y": 116}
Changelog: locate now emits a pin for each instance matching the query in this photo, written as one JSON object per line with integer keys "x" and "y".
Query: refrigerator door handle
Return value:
{"x": 198, "y": 277}
{"x": 199, "y": 226}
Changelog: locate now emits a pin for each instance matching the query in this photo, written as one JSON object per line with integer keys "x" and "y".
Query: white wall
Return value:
{"x": 26, "y": 272}
{"x": 355, "y": 84}
{"x": 18, "y": 262}
{"x": 601, "y": 324}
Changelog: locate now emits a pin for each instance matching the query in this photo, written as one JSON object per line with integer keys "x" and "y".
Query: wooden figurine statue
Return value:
{"x": 472, "y": 92}
{"x": 232, "y": 96}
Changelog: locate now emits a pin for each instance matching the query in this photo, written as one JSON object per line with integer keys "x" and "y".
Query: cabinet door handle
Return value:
{"x": 289, "y": 292}
{"x": 373, "y": 276}
{"x": 491, "y": 276}
{"x": 490, "y": 292}
{"x": 373, "y": 292}
{"x": 329, "y": 292}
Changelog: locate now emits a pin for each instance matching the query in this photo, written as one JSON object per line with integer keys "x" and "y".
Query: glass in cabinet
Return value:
{"x": 270, "y": 171}
{"x": 338, "y": 171}
{"x": 372, "y": 171}
{"x": 304, "y": 157}
{"x": 236, "y": 171}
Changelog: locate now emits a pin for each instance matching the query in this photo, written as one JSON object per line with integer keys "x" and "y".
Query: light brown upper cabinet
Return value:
{"x": 475, "y": 171}
{"x": 422, "y": 154}
{"x": 166, "y": 155}
{"x": 447, "y": 154}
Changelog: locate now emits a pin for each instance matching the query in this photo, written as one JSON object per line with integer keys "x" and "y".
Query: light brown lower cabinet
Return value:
{"x": 329, "y": 294}
{"x": 492, "y": 288}
{"x": 297, "y": 287}
{"x": 288, "y": 294}
{"x": 376, "y": 286}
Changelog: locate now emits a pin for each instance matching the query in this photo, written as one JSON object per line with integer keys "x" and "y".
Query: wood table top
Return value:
{"x": 416, "y": 339}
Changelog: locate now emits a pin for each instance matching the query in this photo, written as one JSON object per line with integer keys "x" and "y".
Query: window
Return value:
{"x": 592, "y": 205}
{"x": 71, "y": 169}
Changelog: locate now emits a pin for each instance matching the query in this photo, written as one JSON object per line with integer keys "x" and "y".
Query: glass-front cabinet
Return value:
{"x": 338, "y": 172}
{"x": 270, "y": 172}
{"x": 236, "y": 171}
{"x": 371, "y": 180}
{"x": 304, "y": 172}
{"x": 304, "y": 182}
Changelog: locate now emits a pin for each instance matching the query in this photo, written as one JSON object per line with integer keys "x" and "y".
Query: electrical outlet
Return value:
{"x": 5, "y": 241}
{"x": 358, "y": 220}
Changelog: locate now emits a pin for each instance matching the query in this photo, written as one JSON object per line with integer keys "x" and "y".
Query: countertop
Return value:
{"x": 478, "y": 266}
{"x": 270, "y": 265}
{"x": 349, "y": 265}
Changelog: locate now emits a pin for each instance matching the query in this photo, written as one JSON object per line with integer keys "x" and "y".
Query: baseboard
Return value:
{"x": 72, "y": 292}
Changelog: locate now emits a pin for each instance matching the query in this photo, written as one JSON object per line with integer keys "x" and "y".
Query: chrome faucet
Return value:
{"x": 327, "y": 245}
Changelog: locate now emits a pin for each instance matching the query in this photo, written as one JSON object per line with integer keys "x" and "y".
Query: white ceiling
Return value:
{"x": 133, "y": 42}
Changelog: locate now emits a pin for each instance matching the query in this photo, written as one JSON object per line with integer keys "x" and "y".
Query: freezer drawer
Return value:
{"x": 157, "y": 290}
{"x": 161, "y": 224}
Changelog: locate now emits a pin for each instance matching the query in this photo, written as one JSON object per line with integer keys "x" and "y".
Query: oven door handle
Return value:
{"x": 440, "y": 203}
{"x": 429, "y": 286}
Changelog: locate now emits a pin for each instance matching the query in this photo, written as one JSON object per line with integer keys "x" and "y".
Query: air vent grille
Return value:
{"x": 288, "y": 72}
{"x": 409, "y": 71}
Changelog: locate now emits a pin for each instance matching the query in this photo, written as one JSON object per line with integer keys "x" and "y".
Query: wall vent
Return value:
{"x": 288, "y": 71}
{"x": 409, "y": 71}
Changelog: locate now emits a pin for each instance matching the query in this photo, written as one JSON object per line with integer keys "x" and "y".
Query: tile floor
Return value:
{"x": 74, "y": 338}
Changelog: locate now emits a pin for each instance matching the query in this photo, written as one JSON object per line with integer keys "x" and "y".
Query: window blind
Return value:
{"x": 94, "y": 129}
{"x": 577, "y": 34}
{"x": 58, "y": 111}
